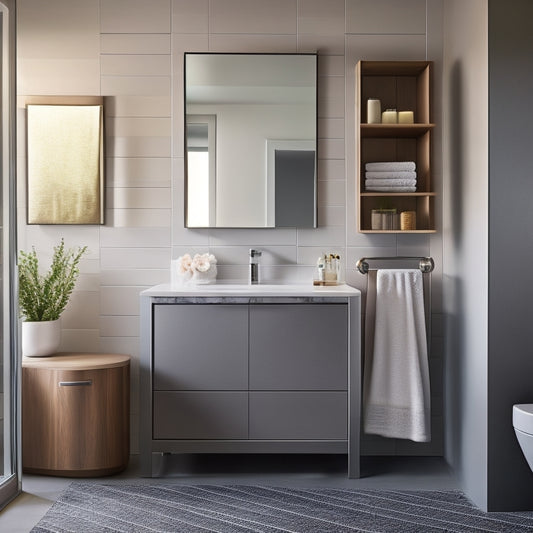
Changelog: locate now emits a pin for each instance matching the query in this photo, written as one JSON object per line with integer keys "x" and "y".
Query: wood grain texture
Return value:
{"x": 79, "y": 429}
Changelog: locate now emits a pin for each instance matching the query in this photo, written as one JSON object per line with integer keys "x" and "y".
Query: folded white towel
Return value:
{"x": 390, "y": 182}
{"x": 391, "y": 189}
{"x": 398, "y": 174}
{"x": 391, "y": 165}
{"x": 396, "y": 393}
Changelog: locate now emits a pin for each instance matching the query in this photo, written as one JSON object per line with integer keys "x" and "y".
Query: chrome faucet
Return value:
{"x": 254, "y": 266}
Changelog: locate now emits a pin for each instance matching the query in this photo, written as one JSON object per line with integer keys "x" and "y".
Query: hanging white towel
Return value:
{"x": 396, "y": 393}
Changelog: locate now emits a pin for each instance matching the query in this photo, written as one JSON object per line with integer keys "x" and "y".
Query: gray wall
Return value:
{"x": 510, "y": 362}
{"x": 465, "y": 242}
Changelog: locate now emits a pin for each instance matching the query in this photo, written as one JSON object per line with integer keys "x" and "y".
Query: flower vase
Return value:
{"x": 40, "y": 338}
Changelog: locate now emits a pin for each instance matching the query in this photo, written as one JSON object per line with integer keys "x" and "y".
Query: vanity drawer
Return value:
{"x": 299, "y": 347}
{"x": 298, "y": 415}
{"x": 200, "y": 415}
{"x": 200, "y": 347}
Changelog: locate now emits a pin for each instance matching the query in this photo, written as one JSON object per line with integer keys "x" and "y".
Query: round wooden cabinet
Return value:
{"x": 75, "y": 414}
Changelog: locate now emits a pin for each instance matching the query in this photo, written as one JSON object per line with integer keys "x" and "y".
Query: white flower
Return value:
{"x": 184, "y": 264}
{"x": 203, "y": 262}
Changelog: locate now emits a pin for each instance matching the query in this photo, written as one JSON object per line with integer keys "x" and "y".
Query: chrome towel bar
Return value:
{"x": 425, "y": 264}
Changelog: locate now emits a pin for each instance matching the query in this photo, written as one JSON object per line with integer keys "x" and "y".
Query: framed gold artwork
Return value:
{"x": 65, "y": 159}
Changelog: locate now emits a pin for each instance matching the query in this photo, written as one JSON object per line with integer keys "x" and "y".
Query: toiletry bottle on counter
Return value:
{"x": 321, "y": 267}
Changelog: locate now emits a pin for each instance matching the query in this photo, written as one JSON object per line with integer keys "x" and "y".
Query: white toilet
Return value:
{"x": 523, "y": 427}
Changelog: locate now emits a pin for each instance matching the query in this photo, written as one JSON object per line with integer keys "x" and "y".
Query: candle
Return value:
{"x": 373, "y": 111}
{"x": 405, "y": 117}
{"x": 389, "y": 116}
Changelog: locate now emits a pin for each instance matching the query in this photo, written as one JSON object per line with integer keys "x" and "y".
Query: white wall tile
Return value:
{"x": 88, "y": 281}
{"x": 58, "y": 76}
{"x": 318, "y": 17}
{"x": 331, "y": 128}
{"x": 252, "y": 43}
{"x": 138, "y": 171}
{"x": 135, "y": 43}
{"x": 82, "y": 311}
{"x": 239, "y": 255}
{"x": 331, "y": 169}
{"x": 137, "y": 106}
{"x": 138, "y": 146}
{"x": 253, "y": 237}
{"x": 125, "y": 345}
{"x": 331, "y": 149}
{"x": 133, "y": 16}
{"x": 45, "y": 237}
{"x": 331, "y": 192}
{"x": 136, "y": 85}
{"x": 58, "y": 30}
{"x": 138, "y": 217}
{"x": 323, "y": 44}
{"x": 80, "y": 340}
{"x": 119, "y": 326}
{"x": 120, "y": 301}
{"x": 140, "y": 197}
{"x": 138, "y": 127}
{"x": 137, "y": 277}
{"x": 135, "y": 65}
{"x": 252, "y": 16}
{"x": 331, "y": 65}
{"x": 121, "y": 258}
{"x": 322, "y": 236}
{"x": 330, "y": 97}
{"x": 190, "y": 16}
{"x": 332, "y": 215}
{"x": 134, "y": 237}
{"x": 385, "y": 16}
{"x": 384, "y": 47}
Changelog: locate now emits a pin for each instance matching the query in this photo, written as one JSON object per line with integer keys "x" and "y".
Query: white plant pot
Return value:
{"x": 40, "y": 338}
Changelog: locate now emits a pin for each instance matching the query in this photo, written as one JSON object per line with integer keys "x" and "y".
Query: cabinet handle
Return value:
{"x": 76, "y": 383}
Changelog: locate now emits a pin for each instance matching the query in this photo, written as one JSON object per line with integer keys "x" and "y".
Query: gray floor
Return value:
{"x": 422, "y": 473}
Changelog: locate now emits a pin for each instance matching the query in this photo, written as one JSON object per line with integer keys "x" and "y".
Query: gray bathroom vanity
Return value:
{"x": 236, "y": 368}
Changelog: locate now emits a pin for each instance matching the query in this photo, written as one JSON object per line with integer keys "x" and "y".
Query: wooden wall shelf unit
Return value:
{"x": 401, "y": 85}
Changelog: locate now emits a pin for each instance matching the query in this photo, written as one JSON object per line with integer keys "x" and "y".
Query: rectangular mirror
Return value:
{"x": 250, "y": 140}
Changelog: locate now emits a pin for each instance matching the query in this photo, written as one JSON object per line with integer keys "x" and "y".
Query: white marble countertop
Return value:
{"x": 235, "y": 288}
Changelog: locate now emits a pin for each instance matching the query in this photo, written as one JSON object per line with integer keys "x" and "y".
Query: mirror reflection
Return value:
{"x": 250, "y": 139}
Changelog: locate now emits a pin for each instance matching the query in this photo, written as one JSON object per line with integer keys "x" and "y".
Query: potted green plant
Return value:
{"x": 43, "y": 297}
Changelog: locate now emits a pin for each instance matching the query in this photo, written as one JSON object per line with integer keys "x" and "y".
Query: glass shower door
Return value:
{"x": 9, "y": 365}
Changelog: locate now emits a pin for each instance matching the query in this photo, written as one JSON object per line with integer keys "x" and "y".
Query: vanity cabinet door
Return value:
{"x": 200, "y": 415}
{"x": 285, "y": 415}
{"x": 200, "y": 347}
{"x": 299, "y": 347}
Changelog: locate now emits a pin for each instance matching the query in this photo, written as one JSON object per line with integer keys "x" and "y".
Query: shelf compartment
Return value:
{"x": 401, "y": 85}
{"x": 422, "y": 204}
{"x": 381, "y": 149}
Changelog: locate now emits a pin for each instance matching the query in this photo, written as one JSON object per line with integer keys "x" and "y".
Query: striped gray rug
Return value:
{"x": 91, "y": 507}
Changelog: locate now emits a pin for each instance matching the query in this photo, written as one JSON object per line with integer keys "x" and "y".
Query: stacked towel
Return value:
{"x": 392, "y": 176}
{"x": 396, "y": 393}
